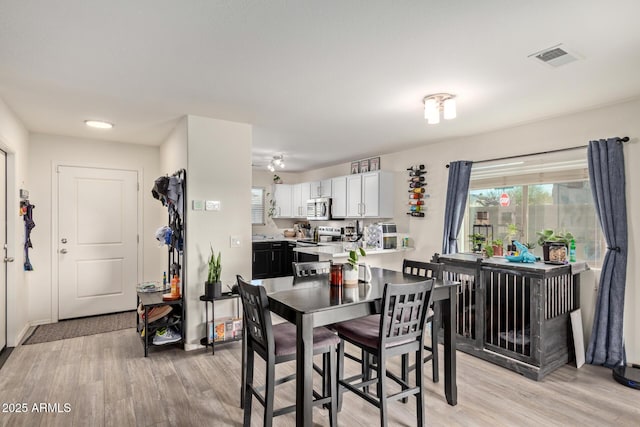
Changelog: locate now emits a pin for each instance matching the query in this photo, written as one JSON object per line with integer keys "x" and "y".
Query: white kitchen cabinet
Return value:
{"x": 300, "y": 194}
{"x": 282, "y": 195}
{"x": 339, "y": 197}
{"x": 321, "y": 188}
{"x": 370, "y": 195}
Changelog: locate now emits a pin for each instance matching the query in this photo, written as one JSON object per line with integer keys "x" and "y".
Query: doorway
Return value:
{"x": 3, "y": 242}
{"x": 97, "y": 241}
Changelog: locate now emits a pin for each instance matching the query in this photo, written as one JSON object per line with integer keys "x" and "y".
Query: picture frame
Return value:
{"x": 355, "y": 167}
{"x": 364, "y": 166}
{"x": 374, "y": 164}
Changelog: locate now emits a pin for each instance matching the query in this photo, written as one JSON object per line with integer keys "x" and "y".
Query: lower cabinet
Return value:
{"x": 269, "y": 260}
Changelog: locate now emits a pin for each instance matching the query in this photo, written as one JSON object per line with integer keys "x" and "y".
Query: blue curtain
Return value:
{"x": 606, "y": 175}
{"x": 457, "y": 194}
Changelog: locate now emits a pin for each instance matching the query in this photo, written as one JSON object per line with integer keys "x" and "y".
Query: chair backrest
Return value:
{"x": 423, "y": 269}
{"x": 406, "y": 305}
{"x": 313, "y": 268}
{"x": 257, "y": 317}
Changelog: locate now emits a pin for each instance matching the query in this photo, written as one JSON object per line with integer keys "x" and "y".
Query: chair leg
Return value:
{"x": 243, "y": 368}
{"x": 248, "y": 395}
{"x": 405, "y": 374}
{"x": 340, "y": 389}
{"x": 382, "y": 387}
{"x": 269, "y": 391}
{"x": 435, "y": 326}
{"x": 326, "y": 386}
{"x": 420, "y": 394}
{"x": 366, "y": 367}
{"x": 333, "y": 387}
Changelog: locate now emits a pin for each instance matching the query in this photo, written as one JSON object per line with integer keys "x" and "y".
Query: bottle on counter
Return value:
{"x": 572, "y": 251}
{"x": 164, "y": 279}
{"x": 175, "y": 286}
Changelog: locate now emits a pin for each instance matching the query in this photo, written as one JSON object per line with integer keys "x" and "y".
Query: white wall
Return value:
{"x": 219, "y": 168}
{"x": 51, "y": 150}
{"x": 14, "y": 140}
{"x": 562, "y": 132}
{"x": 173, "y": 151}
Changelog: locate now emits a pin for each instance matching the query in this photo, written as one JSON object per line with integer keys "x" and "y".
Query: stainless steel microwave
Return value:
{"x": 319, "y": 209}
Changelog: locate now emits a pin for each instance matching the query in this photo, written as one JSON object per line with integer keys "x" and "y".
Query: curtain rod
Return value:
{"x": 623, "y": 139}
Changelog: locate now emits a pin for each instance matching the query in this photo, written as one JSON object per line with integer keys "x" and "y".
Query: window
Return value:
{"x": 257, "y": 206}
{"x": 529, "y": 194}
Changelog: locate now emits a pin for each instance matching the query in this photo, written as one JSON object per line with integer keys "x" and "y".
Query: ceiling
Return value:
{"x": 322, "y": 82}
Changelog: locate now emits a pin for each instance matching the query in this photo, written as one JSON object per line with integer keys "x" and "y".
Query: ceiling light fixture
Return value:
{"x": 98, "y": 124}
{"x": 434, "y": 104}
{"x": 276, "y": 161}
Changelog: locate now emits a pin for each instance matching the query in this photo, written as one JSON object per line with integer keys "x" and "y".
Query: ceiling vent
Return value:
{"x": 555, "y": 56}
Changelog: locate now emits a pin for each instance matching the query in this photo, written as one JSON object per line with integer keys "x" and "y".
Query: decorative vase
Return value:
{"x": 350, "y": 276}
{"x": 212, "y": 290}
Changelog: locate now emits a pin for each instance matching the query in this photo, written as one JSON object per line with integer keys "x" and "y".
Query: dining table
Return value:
{"x": 312, "y": 302}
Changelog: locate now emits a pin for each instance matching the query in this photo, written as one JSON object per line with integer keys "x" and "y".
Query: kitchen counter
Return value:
{"x": 336, "y": 250}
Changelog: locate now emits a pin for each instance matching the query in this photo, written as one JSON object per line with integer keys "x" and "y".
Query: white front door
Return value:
{"x": 3, "y": 242}
{"x": 97, "y": 241}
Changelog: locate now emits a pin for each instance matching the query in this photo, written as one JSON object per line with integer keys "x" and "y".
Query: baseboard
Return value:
{"x": 191, "y": 347}
{"x": 42, "y": 322}
{"x": 22, "y": 334}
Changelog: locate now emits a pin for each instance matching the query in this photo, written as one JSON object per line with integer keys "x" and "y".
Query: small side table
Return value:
{"x": 225, "y": 296}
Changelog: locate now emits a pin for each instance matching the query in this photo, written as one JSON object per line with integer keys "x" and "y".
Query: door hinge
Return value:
{"x": 138, "y": 184}
{"x": 137, "y": 238}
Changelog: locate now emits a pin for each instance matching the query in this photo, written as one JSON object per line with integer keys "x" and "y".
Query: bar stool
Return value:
{"x": 277, "y": 344}
{"x": 399, "y": 330}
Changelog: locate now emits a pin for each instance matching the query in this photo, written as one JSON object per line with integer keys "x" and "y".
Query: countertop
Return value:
{"x": 339, "y": 251}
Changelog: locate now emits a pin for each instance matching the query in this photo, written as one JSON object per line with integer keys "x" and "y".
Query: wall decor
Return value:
{"x": 374, "y": 164}
{"x": 355, "y": 167}
{"x": 364, "y": 166}
{"x": 417, "y": 190}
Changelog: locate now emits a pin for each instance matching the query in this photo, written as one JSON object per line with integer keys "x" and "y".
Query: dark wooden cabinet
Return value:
{"x": 261, "y": 266}
{"x": 289, "y": 258}
{"x": 269, "y": 259}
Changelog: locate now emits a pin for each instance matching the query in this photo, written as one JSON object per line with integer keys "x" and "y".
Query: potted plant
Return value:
{"x": 350, "y": 274}
{"x": 213, "y": 286}
{"x": 555, "y": 247}
{"x": 497, "y": 247}
{"x": 476, "y": 240}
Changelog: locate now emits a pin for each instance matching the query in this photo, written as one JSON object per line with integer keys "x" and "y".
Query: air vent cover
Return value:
{"x": 555, "y": 56}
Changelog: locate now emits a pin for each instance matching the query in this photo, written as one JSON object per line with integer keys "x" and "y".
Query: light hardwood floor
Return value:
{"x": 106, "y": 381}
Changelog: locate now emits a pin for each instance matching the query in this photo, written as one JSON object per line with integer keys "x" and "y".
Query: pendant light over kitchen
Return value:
{"x": 277, "y": 161}
{"x": 434, "y": 104}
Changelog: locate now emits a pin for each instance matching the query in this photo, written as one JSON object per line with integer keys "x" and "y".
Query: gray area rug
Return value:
{"x": 81, "y": 327}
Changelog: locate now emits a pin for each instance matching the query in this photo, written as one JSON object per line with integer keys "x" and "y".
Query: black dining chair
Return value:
{"x": 277, "y": 344}
{"x": 427, "y": 270}
{"x": 399, "y": 330}
{"x": 312, "y": 268}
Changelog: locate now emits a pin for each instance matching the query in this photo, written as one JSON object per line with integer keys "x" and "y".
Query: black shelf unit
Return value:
{"x": 175, "y": 262}
{"x": 225, "y": 296}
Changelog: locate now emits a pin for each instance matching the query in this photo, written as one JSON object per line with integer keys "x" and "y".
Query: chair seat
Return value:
{"x": 285, "y": 338}
{"x": 365, "y": 331}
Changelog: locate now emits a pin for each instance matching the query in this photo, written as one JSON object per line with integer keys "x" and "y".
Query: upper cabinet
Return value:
{"x": 300, "y": 194}
{"x": 370, "y": 195}
{"x": 320, "y": 188}
{"x": 365, "y": 195}
{"x": 339, "y": 197}
{"x": 282, "y": 196}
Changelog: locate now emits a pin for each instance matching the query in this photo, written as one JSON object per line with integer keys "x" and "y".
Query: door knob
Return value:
{"x": 63, "y": 240}
{"x": 63, "y": 251}
{"x": 8, "y": 259}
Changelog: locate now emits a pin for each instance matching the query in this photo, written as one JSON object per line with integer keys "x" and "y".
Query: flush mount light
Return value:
{"x": 434, "y": 104}
{"x": 98, "y": 124}
{"x": 276, "y": 161}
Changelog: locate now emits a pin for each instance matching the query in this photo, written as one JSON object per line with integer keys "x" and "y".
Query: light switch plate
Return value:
{"x": 234, "y": 241}
{"x": 197, "y": 205}
{"x": 212, "y": 205}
